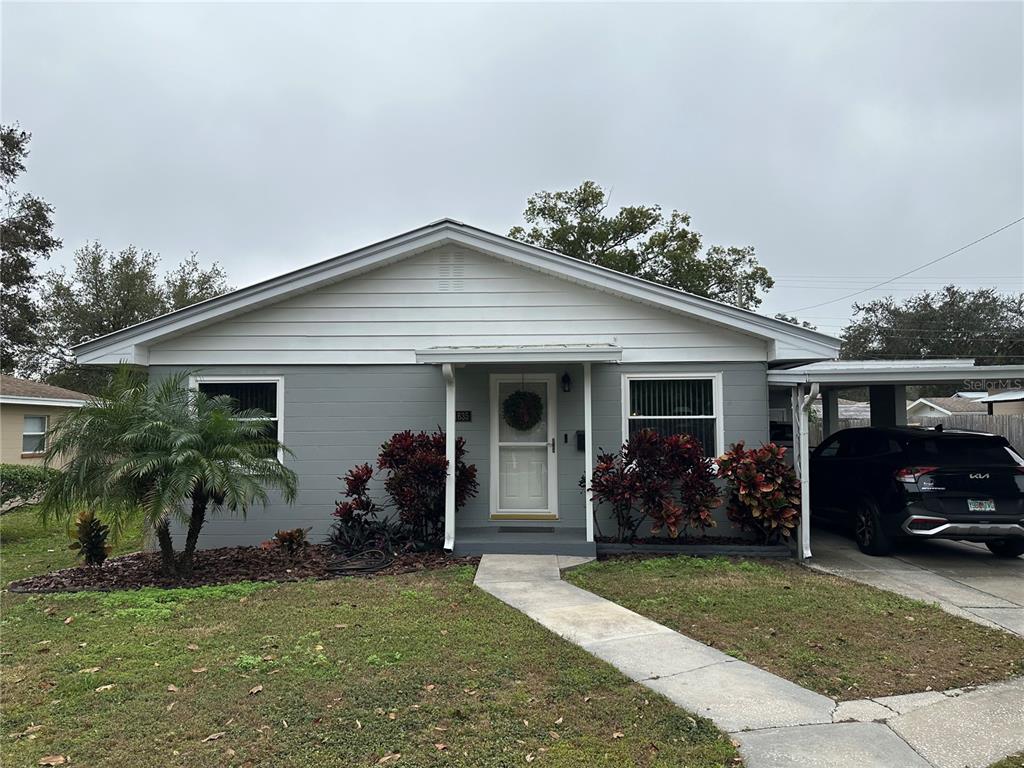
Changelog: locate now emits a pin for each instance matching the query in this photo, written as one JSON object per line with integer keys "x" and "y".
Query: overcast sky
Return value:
{"x": 847, "y": 143}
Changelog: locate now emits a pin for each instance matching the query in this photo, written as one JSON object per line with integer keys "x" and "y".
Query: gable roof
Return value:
{"x": 14, "y": 391}
{"x": 788, "y": 341}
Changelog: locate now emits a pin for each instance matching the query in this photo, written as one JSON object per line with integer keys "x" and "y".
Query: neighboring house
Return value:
{"x": 438, "y": 326}
{"x": 848, "y": 409}
{"x": 1007, "y": 403}
{"x": 970, "y": 394}
{"x": 27, "y": 410}
{"x": 943, "y": 406}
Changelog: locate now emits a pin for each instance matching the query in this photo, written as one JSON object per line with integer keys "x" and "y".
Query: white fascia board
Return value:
{"x": 50, "y": 402}
{"x": 889, "y": 375}
{"x": 799, "y": 343}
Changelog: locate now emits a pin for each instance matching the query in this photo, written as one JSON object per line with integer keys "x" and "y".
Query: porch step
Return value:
{"x": 523, "y": 541}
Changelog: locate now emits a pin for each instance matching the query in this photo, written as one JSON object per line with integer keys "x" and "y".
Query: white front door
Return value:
{"x": 524, "y": 476}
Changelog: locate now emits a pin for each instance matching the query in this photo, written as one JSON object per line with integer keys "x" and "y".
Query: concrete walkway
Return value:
{"x": 963, "y": 579}
{"x": 777, "y": 723}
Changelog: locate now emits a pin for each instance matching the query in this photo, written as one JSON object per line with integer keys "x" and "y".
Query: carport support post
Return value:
{"x": 829, "y": 412}
{"x": 888, "y": 403}
{"x": 802, "y": 400}
{"x": 449, "y": 451}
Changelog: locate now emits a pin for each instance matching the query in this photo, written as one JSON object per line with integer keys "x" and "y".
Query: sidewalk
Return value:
{"x": 777, "y": 723}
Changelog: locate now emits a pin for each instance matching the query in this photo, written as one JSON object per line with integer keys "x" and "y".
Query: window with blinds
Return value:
{"x": 247, "y": 395}
{"x": 674, "y": 406}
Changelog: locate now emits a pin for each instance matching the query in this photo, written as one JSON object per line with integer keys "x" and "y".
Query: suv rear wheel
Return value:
{"x": 1006, "y": 547}
{"x": 867, "y": 530}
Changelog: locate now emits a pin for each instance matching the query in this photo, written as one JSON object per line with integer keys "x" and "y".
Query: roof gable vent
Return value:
{"x": 451, "y": 270}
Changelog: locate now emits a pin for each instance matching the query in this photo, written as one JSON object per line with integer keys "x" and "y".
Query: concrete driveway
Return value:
{"x": 964, "y": 579}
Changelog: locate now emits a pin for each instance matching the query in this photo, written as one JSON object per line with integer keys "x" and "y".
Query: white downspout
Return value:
{"x": 449, "y": 450}
{"x": 802, "y": 405}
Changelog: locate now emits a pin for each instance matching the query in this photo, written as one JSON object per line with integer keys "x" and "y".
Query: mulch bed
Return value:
{"x": 226, "y": 565}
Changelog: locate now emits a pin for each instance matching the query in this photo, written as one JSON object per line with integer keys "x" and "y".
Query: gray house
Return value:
{"x": 436, "y": 327}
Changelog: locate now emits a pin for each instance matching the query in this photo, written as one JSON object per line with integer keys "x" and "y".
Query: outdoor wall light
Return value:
{"x": 566, "y": 382}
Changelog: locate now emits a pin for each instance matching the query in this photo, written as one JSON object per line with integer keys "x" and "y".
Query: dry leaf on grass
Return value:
{"x": 199, "y": 670}
{"x": 172, "y": 688}
{"x": 88, "y": 670}
{"x": 192, "y": 647}
{"x": 618, "y": 735}
{"x": 255, "y": 689}
{"x": 390, "y": 757}
{"x": 105, "y": 687}
{"x": 215, "y": 736}
{"x": 53, "y": 760}
{"x": 69, "y": 619}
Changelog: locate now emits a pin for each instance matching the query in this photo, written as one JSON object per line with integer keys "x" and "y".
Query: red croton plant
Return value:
{"x": 414, "y": 469}
{"x": 664, "y": 479}
{"x": 764, "y": 491}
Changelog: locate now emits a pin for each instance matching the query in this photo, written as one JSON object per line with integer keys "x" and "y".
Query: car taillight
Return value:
{"x": 913, "y": 474}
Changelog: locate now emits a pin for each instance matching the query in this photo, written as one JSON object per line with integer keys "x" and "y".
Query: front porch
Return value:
{"x": 530, "y": 499}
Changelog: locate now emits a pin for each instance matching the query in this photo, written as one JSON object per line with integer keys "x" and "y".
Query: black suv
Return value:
{"x": 891, "y": 483}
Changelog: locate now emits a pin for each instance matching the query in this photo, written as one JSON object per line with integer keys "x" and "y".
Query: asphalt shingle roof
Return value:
{"x": 13, "y": 387}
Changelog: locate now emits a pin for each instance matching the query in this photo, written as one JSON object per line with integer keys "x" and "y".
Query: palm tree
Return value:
{"x": 156, "y": 448}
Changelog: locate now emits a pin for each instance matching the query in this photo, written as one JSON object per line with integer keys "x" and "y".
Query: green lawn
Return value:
{"x": 29, "y": 549}
{"x": 349, "y": 672}
{"x": 843, "y": 639}
{"x": 1013, "y": 761}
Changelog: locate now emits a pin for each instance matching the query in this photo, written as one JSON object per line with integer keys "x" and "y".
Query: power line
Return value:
{"x": 915, "y": 269}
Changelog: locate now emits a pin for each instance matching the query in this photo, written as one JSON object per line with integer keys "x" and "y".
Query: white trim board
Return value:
{"x": 53, "y": 402}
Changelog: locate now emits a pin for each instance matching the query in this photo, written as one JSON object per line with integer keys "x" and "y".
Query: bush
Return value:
{"x": 414, "y": 470}
{"x": 354, "y": 534}
{"x": 666, "y": 480}
{"x": 291, "y": 540}
{"x": 90, "y": 538}
{"x": 764, "y": 491}
{"x": 21, "y": 484}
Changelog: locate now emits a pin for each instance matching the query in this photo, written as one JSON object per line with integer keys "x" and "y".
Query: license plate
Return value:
{"x": 981, "y": 505}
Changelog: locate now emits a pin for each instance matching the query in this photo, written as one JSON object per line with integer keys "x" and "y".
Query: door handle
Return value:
{"x": 552, "y": 445}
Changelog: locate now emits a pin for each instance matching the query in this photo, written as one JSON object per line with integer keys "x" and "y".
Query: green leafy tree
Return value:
{"x": 26, "y": 236}
{"x": 162, "y": 451}
{"x": 641, "y": 240}
{"x": 105, "y": 292}
{"x": 952, "y": 322}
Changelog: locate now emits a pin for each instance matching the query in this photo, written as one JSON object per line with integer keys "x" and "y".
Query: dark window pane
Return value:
{"x": 959, "y": 450}
{"x": 671, "y": 397}
{"x": 702, "y": 430}
{"x": 246, "y": 394}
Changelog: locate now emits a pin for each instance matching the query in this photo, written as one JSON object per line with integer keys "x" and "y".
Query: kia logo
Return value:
{"x": 979, "y": 476}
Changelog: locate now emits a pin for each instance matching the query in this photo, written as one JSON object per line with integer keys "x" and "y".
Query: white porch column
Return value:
{"x": 588, "y": 450}
{"x": 449, "y": 450}
{"x": 801, "y": 462}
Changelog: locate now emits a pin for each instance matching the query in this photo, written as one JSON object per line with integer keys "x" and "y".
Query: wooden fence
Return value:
{"x": 1009, "y": 426}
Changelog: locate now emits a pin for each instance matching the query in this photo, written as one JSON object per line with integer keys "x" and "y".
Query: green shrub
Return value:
{"x": 21, "y": 484}
{"x": 90, "y": 538}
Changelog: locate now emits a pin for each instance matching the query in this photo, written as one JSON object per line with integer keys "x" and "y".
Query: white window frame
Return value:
{"x": 195, "y": 380}
{"x": 717, "y": 400}
{"x": 46, "y": 428}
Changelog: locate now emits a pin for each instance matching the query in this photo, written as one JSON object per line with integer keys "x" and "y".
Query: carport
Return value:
{"x": 795, "y": 389}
